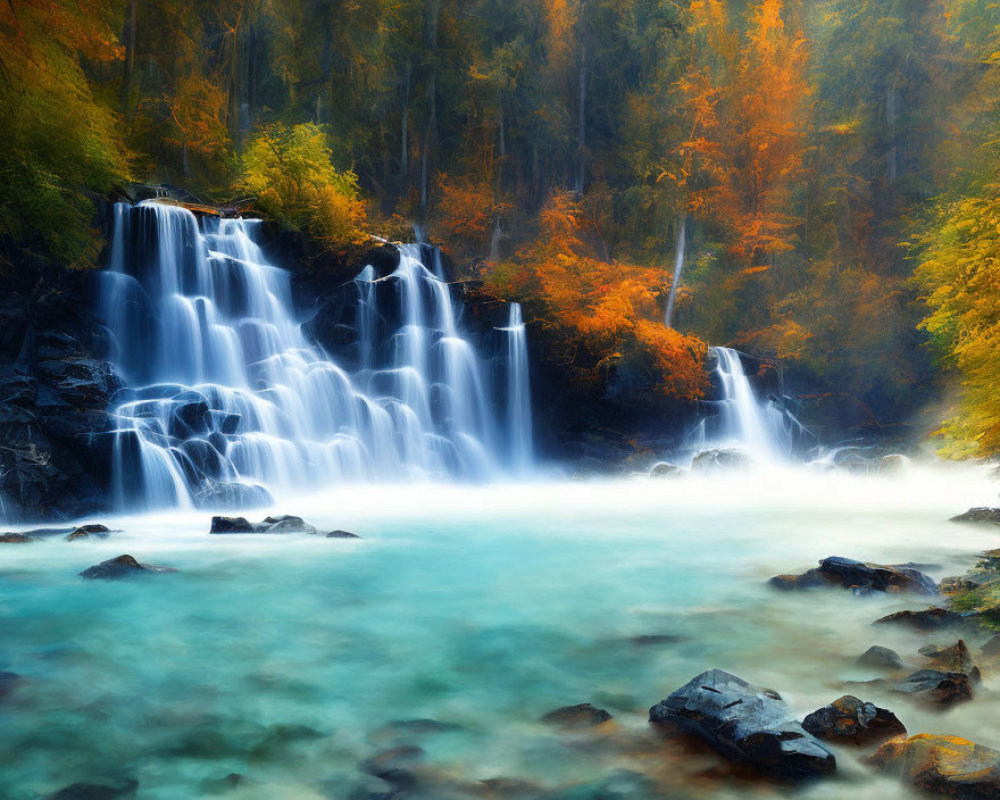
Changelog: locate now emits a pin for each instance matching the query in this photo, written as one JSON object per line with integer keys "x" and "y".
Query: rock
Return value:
{"x": 929, "y": 619}
{"x": 893, "y": 464}
{"x": 729, "y": 458}
{"x": 981, "y": 515}
{"x": 943, "y": 765}
{"x": 8, "y": 682}
{"x": 110, "y": 790}
{"x": 881, "y": 657}
{"x": 583, "y": 715}
{"x": 511, "y": 788}
{"x": 992, "y": 647}
{"x": 860, "y": 576}
{"x": 417, "y": 727}
{"x": 342, "y": 535}
{"x": 393, "y": 766}
{"x": 283, "y": 524}
{"x": 745, "y": 723}
{"x": 665, "y": 470}
{"x": 954, "y": 658}
{"x": 655, "y": 639}
{"x": 16, "y": 538}
{"x": 849, "y": 719}
{"x": 957, "y": 585}
{"x": 942, "y": 689}
{"x": 88, "y": 531}
{"x": 122, "y": 567}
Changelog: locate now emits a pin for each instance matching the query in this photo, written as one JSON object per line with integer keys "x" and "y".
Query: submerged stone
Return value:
{"x": 110, "y": 790}
{"x": 946, "y": 766}
{"x": 124, "y": 566}
{"x": 342, "y": 535}
{"x": 8, "y": 682}
{"x": 16, "y": 538}
{"x": 929, "y": 619}
{"x": 583, "y": 715}
{"x": 937, "y": 688}
{"x": 882, "y": 657}
{"x": 745, "y": 723}
{"x": 850, "y": 720}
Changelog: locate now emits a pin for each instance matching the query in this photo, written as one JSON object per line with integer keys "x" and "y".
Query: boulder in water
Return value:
{"x": 930, "y": 619}
{"x": 745, "y": 723}
{"x": 342, "y": 535}
{"x": 8, "y": 682}
{"x": 953, "y": 658}
{"x": 16, "y": 538}
{"x": 980, "y": 515}
{"x": 118, "y": 789}
{"x": 861, "y": 576}
{"x": 89, "y": 531}
{"x": 880, "y": 657}
{"x": 850, "y": 720}
{"x": 286, "y": 523}
{"x": 992, "y": 647}
{"x": 937, "y": 688}
{"x": 583, "y": 715}
{"x": 893, "y": 464}
{"x": 665, "y": 470}
{"x": 946, "y": 766}
{"x": 728, "y": 458}
{"x": 125, "y": 566}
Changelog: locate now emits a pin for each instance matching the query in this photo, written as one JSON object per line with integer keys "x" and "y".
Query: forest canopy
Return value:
{"x": 821, "y": 176}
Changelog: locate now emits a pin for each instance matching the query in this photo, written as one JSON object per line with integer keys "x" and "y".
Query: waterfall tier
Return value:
{"x": 231, "y": 404}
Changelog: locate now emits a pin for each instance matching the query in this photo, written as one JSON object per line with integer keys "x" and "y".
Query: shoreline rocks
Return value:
{"x": 937, "y": 688}
{"x": 862, "y": 577}
{"x": 929, "y": 619}
{"x": 124, "y": 566}
{"x": 980, "y": 515}
{"x": 943, "y": 765}
{"x": 745, "y": 723}
{"x": 286, "y": 523}
{"x": 880, "y": 657}
{"x": 850, "y": 720}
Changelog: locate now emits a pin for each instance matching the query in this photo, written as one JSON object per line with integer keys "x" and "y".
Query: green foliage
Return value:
{"x": 289, "y": 173}
{"x": 61, "y": 147}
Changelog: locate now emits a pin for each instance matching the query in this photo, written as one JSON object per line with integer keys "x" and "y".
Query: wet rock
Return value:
{"x": 109, "y": 790}
{"x": 655, "y": 639}
{"x": 745, "y": 723}
{"x": 930, "y": 619}
{"x": 861, "y": 576}
{"x": 509, "y": 788}
{"x": 89, "y": 531}
{"x": 230, "y": 783}
{"x": 583, "y": 715}
{"x": 8, "y": 682}
{"x": 850, "y": 720}
{"x": 420, "y": 727}
{"x": 992, "y": 647}
{"x": 881, "y": 658}
{"x": 946, "y": 766}
{"x": 730, "y": 458}
{"x": 279, "y": 737}
{"x": 342, "y": 535}
{"x": 893, "y": 464}
{"x": 954, "y": 658}
{"x": 937, "y": 688}
{"x": 125, "y": 566}
{"x": 394, "y": 765}
{"x": 664, "y": 470}
{"x": 980, "y": 515}
{"x": 16, "y": 538}
{"x": 285, "y": 523}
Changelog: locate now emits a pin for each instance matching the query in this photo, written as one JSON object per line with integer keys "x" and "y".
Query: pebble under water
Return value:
{"x": 292, "y": 661}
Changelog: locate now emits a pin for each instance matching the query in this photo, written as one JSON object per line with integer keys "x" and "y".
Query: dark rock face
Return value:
{"x": 110, "y": 790}
{"x": 861, "y": 576}
{"x": 55, "y": 391}
{"x": 745, "y": 723}
{"x": 941, "y": 689}
{"x": 980, "y": 515}
{"x": 954, "y": 658}
{"x": 342, "y": 535}
{"x": 850, "y": 720}
{"x": 124, "y": 566}
{"x": 945, "y": 766}
{"x": 881, "y": 658}
{"x": 930, "y": 619}
{"x": 583, "y": 715}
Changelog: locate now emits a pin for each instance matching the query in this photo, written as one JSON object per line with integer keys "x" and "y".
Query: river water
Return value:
{"x": 287, "y": 659}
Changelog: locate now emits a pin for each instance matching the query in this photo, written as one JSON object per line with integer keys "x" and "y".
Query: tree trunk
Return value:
{"x": 678, "y": 268}
{"x": 891, "y": 110}
{"x": 583, "y": 120}
{"x": 404, "y": 149}
{"x": 129, "y": 35}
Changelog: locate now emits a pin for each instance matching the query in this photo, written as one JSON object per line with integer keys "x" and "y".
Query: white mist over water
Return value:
{"x": 230, "y": 404}
{"x": 481, "y": 606}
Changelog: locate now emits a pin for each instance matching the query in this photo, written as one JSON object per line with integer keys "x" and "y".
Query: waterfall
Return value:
{"x": 518, "y": 391}
{"x": 744, "y": 420}
{"x": 230, "y": 404}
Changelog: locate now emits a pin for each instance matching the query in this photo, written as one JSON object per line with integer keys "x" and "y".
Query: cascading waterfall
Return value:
{"x": 229, "y": 402}
{"x": 766, "y": 431}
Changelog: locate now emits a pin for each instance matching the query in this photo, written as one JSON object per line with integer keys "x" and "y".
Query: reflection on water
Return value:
{"x": 289, "y": 659}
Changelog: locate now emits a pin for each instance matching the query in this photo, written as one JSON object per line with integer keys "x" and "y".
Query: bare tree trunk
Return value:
{"x": 583, "y": 120}
{"x": 891, "y": 110}
{"x": 129, "y": 35}
{"x": 678, "y": 267}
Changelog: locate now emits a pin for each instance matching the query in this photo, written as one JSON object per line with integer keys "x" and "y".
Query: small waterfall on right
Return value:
{"x": 518, "y": 391}
{"x": 742, "y": 419}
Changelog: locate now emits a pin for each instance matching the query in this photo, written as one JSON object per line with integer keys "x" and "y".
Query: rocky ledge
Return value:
{"x": 862, "y": 577}
{"x": 286, "y": 523}
{"x": 946, "y": 766}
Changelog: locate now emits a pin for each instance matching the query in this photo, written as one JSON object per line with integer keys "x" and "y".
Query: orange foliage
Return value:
{"x": 198, "y": 109}
{"x": 467, "y": 211}
{"x": 748, "y": 132}
{"x": 607, "y": 312}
